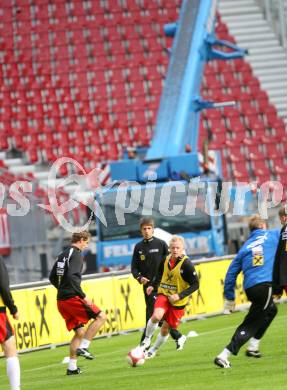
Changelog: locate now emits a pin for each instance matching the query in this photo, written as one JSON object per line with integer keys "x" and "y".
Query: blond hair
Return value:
{"x": 256, "y": 222}
{"x": 176, "y": 239}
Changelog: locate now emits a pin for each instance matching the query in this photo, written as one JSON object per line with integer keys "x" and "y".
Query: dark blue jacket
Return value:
{"x": 255, "y": 259}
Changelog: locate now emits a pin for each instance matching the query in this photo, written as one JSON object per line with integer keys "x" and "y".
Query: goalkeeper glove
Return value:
{"x": 229, "y": 306}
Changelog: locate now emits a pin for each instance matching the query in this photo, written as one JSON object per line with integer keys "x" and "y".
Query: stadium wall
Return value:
{"x": 120, "y": 295}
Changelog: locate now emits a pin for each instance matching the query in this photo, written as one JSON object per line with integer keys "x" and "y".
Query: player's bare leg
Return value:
{"x": 90, "y": 333}
{"x": 74, "y": 345}
{"x": 95, "y": 326}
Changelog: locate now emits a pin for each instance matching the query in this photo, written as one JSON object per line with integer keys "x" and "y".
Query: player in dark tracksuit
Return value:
{"x": 280, "y": 263}
{"x": 7, "y": 339}
{"x": 148, "y": 255}
{"x": 71, "y": 300}
{"x": 255, "y": 259}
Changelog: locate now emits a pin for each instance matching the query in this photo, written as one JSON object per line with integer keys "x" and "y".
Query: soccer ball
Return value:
{"x": 136, "y": 357}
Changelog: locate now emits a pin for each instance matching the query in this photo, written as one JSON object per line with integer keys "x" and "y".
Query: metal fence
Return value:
{"x": 30, "y": 250}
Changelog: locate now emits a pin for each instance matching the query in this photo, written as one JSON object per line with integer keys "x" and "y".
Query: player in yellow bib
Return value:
{"x": 176, "y": 281}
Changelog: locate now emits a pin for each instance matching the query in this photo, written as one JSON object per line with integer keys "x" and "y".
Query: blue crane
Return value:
{"x": 167, "y": 169}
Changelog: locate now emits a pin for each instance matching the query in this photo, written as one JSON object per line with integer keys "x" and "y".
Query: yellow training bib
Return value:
{"x": 172, "y": 282}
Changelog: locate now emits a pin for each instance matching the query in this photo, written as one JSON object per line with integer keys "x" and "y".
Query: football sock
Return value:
{"x": 253, "y": 344}
{"x": 159, "y": 341}
{"x": 13, "y": 372}
{"x": 175, "y": 334}
{"x": 150, "y": 328}
{"x": 224, "y": 354}
{"x": 85, "y": 343}
{"x": 72, "y": 364}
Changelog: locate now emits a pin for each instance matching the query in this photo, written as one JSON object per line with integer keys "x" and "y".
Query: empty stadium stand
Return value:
{"x": 83, "y": 79}
{"x": 80, "y": 79}
{"x": 251, "y": 135}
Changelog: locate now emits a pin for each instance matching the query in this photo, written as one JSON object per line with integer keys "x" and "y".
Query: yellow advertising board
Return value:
{"x": 40, "y": 323}
{"x": 209, "y": 297}
{"x": 122, "y": 299}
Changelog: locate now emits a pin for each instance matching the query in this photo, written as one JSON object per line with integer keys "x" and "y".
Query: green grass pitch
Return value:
{"x": 191, "y": 368}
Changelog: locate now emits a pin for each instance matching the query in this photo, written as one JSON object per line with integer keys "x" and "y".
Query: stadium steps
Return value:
{"x": 269, "y": 71}
{"x": 13, "y": 162}
{"x": 262, "y": 50}
{"x": 22, "y": 169}
{"x": 246, "y": 23}
{"x": 244, "y": 7}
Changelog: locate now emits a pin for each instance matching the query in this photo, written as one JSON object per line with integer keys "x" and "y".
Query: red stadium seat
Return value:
{"x": 241, "y": 167}
{"x": 78, "y": 58}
